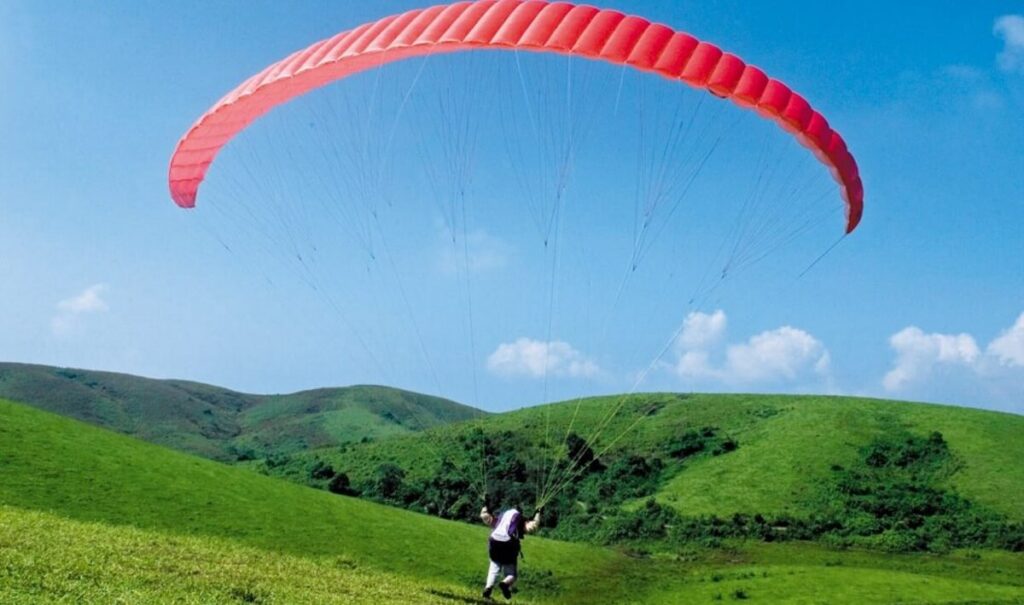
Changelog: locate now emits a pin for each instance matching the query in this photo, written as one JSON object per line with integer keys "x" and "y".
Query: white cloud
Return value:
{"x": 783, "y": 355}
{"x": 955, "y": 367}
{"x": 918, "y": 354}
{"x": 534, "y": 358}
{"x": 480, "y": 251}
{"x": 1010, "y": 28}
{"x": 702, "y": 330}
{"x": 87, "y": 301}
{"x": 695, "y": 364}
{"x": 1008, "y": 347}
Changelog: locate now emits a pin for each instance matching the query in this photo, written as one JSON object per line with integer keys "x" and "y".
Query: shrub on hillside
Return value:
{"x": 276, "y": 461}
{"x": 1011, "y": 537}
{"x": 626, "y": 478}
{"x": 686, "y": 444}
{"x": 340, "y": 484}
{"x": 386, "y": 484}
{"x": 892, "y": 540}
{"x": 447, "y": 494}
{"x": 649, "y": 523}
{"x": 895, "y": 500}
{"x": 242, "y": 453}
{"x": 580, "y": 454}
{"x": 321, "y": 471}
{"x": 725, "y": 446}
{"x": 693, "y": 442}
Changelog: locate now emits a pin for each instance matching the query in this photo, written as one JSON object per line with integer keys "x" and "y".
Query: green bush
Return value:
{"x": 387, "y": 483}
{"x": 647, "y": 524}
{"x": 340, "y": 484}
{"x": 321, "y": 470}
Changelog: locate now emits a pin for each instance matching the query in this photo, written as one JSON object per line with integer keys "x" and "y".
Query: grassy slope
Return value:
{"x": 787, "y": 445}
{"x": 45, "y": 558}
{"x": 782, "y": 458}
{"x": 52, "y": 464}
{"x": 83, "y": 482}
{"x": 215, "y": 422}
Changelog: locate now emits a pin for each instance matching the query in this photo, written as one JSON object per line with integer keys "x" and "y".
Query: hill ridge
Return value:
{"x": 222, "y": 423}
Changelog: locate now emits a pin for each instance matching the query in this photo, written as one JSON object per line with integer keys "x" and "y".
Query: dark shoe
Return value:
{"x": 487, "y": 593}
{"x": 506, "y": 590}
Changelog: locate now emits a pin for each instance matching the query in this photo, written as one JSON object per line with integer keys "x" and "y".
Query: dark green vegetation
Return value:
{"x": 222, "y": 424}
{"x": 894, "y": 498}
{"x": 670, "y": 471}
{"x": 87, "y": 515}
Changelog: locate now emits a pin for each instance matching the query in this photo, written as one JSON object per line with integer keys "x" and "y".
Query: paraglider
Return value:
{"x": 533, "y": 25}
{"x": 347, "y": 178}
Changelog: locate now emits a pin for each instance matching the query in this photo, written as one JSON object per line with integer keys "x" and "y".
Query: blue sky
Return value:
{"x": 99, "y": 269}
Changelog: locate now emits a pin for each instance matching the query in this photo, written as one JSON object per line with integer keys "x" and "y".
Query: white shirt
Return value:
{"x": 504, "y": 529}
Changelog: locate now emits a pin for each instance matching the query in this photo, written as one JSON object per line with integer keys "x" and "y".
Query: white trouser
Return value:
{"x": 494, "y": 571}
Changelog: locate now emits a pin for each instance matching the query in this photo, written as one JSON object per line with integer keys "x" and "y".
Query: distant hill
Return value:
{"x": 220, "y": 423}
{"x": 87, "y": 515}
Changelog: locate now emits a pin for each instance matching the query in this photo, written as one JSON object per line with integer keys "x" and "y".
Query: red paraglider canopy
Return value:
{"x": 534, "y": 25}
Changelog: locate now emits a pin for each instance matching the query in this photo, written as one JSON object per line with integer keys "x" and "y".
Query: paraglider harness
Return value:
{"x": 507, "y": 552}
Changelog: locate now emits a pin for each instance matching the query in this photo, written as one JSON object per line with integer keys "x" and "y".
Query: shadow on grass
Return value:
{"x": 457, "y": 598}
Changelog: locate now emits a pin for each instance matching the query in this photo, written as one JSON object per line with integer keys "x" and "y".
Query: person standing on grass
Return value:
{"x": 507, "y": 532}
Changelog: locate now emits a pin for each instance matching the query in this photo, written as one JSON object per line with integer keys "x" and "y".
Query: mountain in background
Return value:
{"x": 223, "y": 424}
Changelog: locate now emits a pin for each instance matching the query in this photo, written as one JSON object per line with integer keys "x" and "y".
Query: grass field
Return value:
{"x": 91, "y": 516}
{"x": 45, "y": 558}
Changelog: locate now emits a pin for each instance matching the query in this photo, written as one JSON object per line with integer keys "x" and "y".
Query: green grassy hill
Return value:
{"x": 45, "y": 558}
{"x": 786, "y": 459}
{"x": 87, "y": 515}
{"x": 789, "y": 444}
{"x": 89, "y": 475}
{"x": 224, "y": 424}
